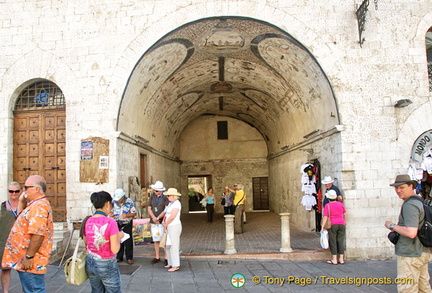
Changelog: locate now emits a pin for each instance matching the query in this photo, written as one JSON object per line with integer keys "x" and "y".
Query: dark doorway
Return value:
{"x": 260, "y": 193}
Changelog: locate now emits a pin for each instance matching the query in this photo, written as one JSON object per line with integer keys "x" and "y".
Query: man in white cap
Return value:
{"x": 328, "y": 182}
{"x": 123, "y": 212}
{"x": 412, "y": 256}
{"x": 156, "y": 210}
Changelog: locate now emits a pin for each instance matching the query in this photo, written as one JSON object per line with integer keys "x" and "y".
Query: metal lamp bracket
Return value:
{"x": 361, "y": 18}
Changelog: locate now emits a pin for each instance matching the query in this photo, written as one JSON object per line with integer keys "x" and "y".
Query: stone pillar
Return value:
{"x": 229, "y": 234}
{"x": 285, "y": 233}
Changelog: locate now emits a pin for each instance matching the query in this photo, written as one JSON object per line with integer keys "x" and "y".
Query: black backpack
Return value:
{"x": 425, "y": 230}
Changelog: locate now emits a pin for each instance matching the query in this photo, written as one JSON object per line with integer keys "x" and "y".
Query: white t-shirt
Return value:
{"x": 169, "y": 209}
{"x": 308, "y": 201}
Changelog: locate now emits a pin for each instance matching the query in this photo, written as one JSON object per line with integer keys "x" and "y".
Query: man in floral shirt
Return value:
{"x": 30, "y": 241}
{"x": 124, "y": 211}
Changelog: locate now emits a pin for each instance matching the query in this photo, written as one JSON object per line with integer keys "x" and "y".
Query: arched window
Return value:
{"x": 41, "y": 95}
{"x": 429, "y": 56}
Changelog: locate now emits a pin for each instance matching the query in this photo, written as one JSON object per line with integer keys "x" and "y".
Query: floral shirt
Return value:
{"x": 128, "y": 207}
{"x": 37, "y": 219}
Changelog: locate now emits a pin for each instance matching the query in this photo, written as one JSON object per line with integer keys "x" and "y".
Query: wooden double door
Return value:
{"x": 260, "y": 193}
{"x": 40, "y": 148}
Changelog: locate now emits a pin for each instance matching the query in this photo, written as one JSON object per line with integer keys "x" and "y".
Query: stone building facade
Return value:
{"x": 152, "y": 79}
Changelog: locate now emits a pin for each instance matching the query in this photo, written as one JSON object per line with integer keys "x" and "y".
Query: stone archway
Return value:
{"x": 234, "y": 67}
{"x": 229, "y": 66}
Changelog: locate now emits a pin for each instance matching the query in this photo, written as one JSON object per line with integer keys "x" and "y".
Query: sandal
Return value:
{"x": 155, "y": 260}
{"x": 168, "y": 266}
{"x": 174, "y": 269}
{"x": 331, "y": 262}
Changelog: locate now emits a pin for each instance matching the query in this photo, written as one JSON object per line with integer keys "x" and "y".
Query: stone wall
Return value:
{"x": 235, "y": 160}
{"x": 285, "y": 177}
{"x": 89, "y": 50}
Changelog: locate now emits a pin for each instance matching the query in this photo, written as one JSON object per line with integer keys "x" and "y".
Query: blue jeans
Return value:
{"x": 104, "y": 275}
{"x": 32, "y": 282}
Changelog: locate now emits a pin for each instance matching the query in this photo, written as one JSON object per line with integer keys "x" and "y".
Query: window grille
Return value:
{"x": 41, "y": 95}
{"x": 430, "y": 76}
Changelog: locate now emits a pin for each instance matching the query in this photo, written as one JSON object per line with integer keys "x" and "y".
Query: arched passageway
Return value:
{"x": 264, "y": 83}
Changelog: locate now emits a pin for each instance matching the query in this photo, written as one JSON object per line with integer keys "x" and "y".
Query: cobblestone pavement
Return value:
{"x": 204, "y": 267}
{"x": 262, "y": 234}
{"x": 199, "y": 275}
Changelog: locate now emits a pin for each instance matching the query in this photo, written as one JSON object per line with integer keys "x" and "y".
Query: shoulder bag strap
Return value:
{"x": 72, "y": 272}
{"x": 416, "y": 197}
{"x": 240, "y": 200}
{"x": 82, "y": 228}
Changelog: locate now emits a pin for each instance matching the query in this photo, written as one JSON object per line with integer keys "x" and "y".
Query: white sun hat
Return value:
{"x": 327, "y": 180}
{"x": 331, "y": 194}
{"x": 158, "y": 186}
{"x": 118, "y": 194}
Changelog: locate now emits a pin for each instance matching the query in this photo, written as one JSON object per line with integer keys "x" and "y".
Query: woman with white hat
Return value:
{"x": 335, "y": 212}
{"x": 173, "y": 227}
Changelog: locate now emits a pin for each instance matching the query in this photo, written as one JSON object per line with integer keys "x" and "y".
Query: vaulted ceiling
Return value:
{"x": 228, "y": 66}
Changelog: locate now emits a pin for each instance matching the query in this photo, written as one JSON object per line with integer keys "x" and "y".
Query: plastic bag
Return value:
{"x": 203, "y": 202}
{"x": 157, "y": 231}
{"x": 324, "y": 239}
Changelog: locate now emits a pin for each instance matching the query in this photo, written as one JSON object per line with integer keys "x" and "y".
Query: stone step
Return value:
{"x": 61, "y": 237}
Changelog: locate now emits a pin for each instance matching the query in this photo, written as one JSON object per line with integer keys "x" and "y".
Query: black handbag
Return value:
{"x": 393, "y": 237}
{"x": 223, "y": 201}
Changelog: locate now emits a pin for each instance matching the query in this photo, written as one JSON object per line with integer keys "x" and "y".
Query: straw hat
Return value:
{"x": 172, "y": 191}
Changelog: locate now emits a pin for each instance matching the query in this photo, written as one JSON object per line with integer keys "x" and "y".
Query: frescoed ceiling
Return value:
{"x": 235, "y": 67}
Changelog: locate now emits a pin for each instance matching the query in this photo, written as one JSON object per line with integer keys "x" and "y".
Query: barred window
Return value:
{"x": 429, "y": 56}
{"x": 430, "y": 75}
{"x": 41, "y": 95}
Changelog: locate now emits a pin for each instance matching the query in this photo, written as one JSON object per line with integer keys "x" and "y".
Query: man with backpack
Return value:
{"x": 412, "y": 255}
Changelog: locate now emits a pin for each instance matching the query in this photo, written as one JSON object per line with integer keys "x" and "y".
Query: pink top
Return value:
{"x": 337, "y": 209}
{"x": 97, "y": 232}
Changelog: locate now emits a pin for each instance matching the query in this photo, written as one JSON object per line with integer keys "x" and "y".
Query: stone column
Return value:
{"x": 285, "y": 233}
{"x": 229, "y": 234}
